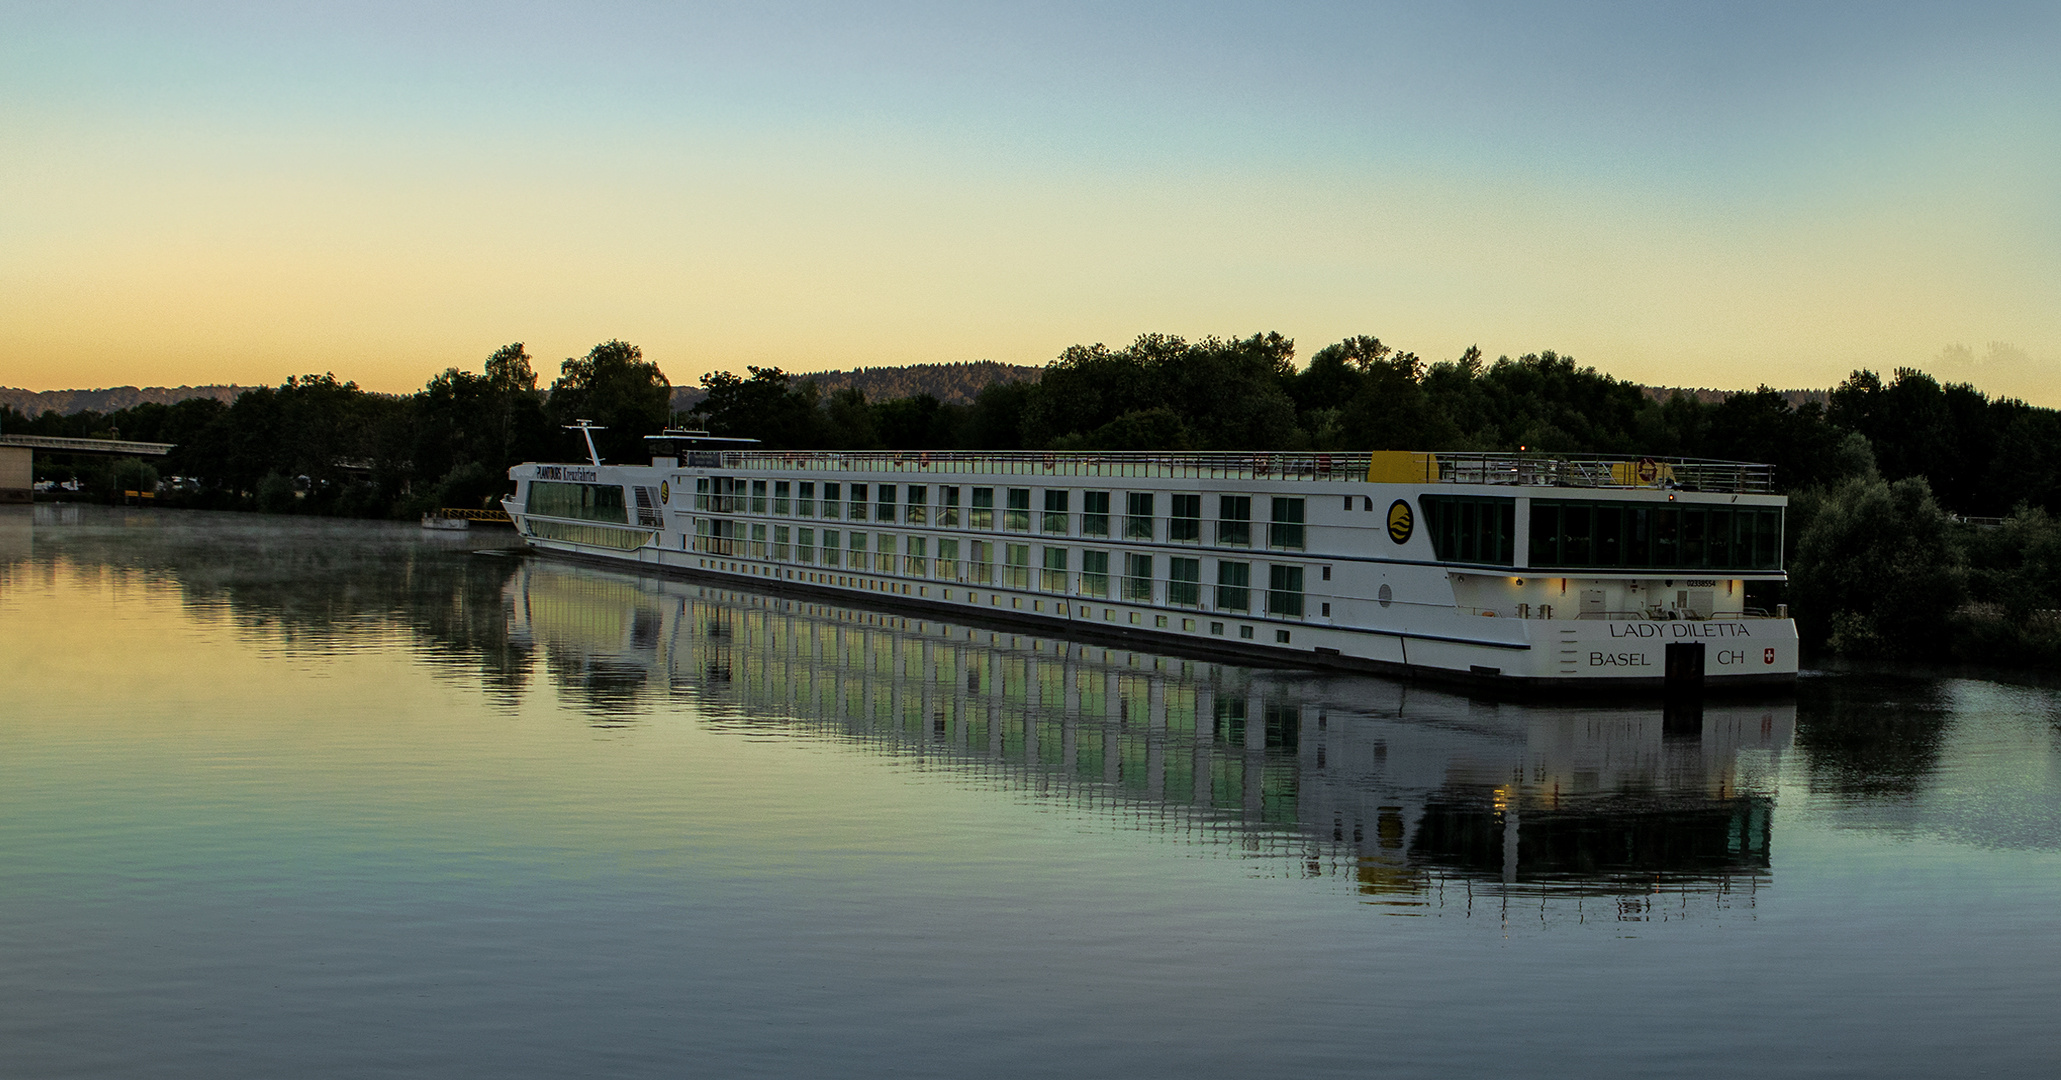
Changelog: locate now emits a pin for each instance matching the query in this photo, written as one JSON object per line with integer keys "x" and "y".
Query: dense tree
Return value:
{"x": 1879, "y": 569}
{"x": 614, "y": 386}
{"x": 771, "y": 406}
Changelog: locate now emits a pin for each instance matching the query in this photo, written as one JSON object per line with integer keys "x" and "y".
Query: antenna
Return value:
{"x": 588, "y": 428}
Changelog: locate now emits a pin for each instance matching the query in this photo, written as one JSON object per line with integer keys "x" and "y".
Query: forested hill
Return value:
{"x": 952, "y": 384}
{"x": 1709, "y": 396}
{"x": 69, "y": 402}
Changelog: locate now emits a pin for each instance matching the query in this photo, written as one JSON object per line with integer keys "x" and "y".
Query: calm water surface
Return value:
{"x": 292, "y": 798}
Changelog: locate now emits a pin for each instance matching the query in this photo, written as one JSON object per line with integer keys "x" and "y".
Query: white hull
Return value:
{"x": 1365, "y": 600}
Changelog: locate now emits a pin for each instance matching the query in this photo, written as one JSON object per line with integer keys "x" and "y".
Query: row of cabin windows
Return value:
{"x": 1576, "y": 534}
{"x": 1006, "y": 565}
{"x": 912, "y": 504}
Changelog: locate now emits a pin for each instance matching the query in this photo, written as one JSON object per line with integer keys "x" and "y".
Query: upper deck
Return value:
{"x": 1465, "y": 468}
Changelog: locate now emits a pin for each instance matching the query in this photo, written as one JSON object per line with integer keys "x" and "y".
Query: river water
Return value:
{"x": 285, "y": 797}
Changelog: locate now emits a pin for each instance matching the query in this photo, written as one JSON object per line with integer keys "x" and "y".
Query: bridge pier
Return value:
{"x": 17, "y": 474}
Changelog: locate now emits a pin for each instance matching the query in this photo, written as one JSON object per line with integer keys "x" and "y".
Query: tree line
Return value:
{"x": 1885, "y": 475}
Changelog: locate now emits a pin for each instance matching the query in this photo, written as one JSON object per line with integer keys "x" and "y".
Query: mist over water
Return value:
{"x": 294, "y": 797}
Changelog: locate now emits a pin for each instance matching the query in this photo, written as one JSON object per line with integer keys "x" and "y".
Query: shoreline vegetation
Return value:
{"x": 1922, "y": 522}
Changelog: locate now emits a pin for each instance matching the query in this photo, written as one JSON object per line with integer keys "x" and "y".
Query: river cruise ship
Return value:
{"x": 1533, "y": 570}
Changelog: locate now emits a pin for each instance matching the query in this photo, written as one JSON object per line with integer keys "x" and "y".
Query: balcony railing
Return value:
{"x": 1484, "y": 468}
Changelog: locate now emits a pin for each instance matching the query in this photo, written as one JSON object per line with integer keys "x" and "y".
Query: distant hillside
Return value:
{"x": 951, "y": 383}
{"x": 1707, "y": 396}
{"x": 68, "y": 402}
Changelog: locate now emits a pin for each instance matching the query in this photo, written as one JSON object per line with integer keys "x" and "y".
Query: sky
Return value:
{"x": 1714, "y": 195}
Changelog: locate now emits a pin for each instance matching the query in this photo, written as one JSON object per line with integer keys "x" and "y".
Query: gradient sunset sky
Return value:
{"x": 1692, "y": 194}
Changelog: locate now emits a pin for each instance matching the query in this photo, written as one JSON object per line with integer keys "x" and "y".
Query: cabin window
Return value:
{"x": 1184, "y": 582}
{"x": 917, "y": 510}
{"x": 1095, "y": 573}
{"x": 781, "y": 498}
{"x": 805, "y": 544}
{"x": 1053, "y": 578}
{"x": 1234, "y": 586}
{"x": 806, "y": 499}
{"x": 947, "y": 556}
{"x": 1234, "y": 521}
{"x": 1055, "y": 514}
{"x": 833, "y": 500}
{"x": 917, "y": 562}
{"x": 1284, "y": 591}
{"x": 586, "y": 502}
{"x": 1138, "y": 515}
{"x": 1017, "y": 517}
{"x": 1017, "y": 557}
{"x": 1286, "y": 530}
{"x": 1138, "y": 578}
{"x": 1571, "y": 533}
{"x": 884, "y": 554}
{"x": 980, "y": 562}
{"x": 1471, "y": 529}
{"x": 1184, "y": 521}
{"x": 781, "y": 544}
{"x": 855, "y": 548}
{"x": 855, "y": 509}
{"x": 758, "y": 496}
{"x": 886, "y": 510}
{"x": 1094, "y": 513}
{"x": 948, "y": 507}
{"x": 700, "y": 492}
{"x": 758, "y": 542}
{"x": 831, "y": 555}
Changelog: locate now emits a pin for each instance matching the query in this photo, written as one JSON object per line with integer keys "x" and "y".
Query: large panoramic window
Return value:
{"x": 1471, "y": 529}
{"x": 1572, "y": 534}
{"x": 587, "y": 502}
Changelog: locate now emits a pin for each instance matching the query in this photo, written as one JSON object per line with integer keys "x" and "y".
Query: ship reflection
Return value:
{"x": 1421, "y": 800}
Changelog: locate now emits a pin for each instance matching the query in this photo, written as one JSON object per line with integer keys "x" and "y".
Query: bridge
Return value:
{"x": 17, "y": 458}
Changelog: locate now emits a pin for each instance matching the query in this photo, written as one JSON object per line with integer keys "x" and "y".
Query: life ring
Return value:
{"x": 1649, "y": 470}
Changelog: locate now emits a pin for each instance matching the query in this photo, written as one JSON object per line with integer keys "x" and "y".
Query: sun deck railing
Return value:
{"x": 1518, "y": 469}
